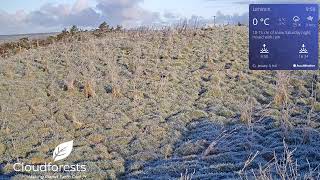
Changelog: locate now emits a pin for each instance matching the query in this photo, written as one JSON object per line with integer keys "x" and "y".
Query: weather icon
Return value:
{"x": 296, "y": 19}
{"x": 310, "y": 18}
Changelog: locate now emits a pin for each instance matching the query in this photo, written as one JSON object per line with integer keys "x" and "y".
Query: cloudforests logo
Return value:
{"x": 61, "y": 152}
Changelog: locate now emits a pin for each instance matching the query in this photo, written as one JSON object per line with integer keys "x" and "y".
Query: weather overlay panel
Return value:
{"x": 283, "y": 37}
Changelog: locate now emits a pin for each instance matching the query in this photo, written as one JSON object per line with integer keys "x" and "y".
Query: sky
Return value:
{"x": 37, "y": 16}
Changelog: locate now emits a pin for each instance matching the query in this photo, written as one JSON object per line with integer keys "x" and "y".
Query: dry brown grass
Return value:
{"x": 70, "y": 85}
{"x": 286, "y": 167}
{"x": 282, "y": 101}
{"x": 143, "y": 84}
{"x": 246, "y": 114}
{"x": 282, "y": 92}
{"x": 283, "y": 167}
{"x": 248, "y": 162}
{"x": 212, "y": 147}
{"x": 116, "y": 92}
{"x": 186, "y": 175}
{"x": 89, "y": 89}
{"x": 216, "y": 89}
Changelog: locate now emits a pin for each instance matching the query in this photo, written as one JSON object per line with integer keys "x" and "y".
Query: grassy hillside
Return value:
{"x": 153, "y": 104}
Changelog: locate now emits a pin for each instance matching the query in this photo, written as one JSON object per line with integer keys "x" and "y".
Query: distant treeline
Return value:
{"x": 74, "y": 33}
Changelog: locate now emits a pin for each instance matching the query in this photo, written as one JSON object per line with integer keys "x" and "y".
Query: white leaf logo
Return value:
{"x": 62, "y": 151}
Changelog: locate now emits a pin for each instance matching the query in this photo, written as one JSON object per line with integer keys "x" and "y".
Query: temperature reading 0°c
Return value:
{"x": 265, "y": 21}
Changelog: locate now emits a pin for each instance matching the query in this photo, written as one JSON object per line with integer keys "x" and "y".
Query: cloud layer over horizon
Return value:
{"x": 128, "y": 13}
{"x": 54, "y": 17}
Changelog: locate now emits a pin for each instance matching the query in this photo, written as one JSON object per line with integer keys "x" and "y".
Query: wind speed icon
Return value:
{"x": 265, "y": 21}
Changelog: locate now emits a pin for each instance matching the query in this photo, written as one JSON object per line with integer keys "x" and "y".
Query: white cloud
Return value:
{"x": 80, "y": 5}
{"x": 54, "y": 17}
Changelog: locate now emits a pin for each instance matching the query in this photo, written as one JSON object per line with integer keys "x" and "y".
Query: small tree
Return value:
{"x": 63, "y": 34}
{"x": 65, "y": 31}
{"x": 74, "y": 29}
{"x": 118, "y": 28}
{"x": 104, "y": 26}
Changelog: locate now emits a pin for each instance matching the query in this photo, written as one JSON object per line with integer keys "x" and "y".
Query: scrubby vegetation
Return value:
{"x": 74, "y": 33}
{"x": 166, "y": 104}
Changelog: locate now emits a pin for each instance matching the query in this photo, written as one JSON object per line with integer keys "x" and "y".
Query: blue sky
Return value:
{"x": 183, "y": 7}
{"x": 33, "y": 16}
{"x": 195, "y": 7}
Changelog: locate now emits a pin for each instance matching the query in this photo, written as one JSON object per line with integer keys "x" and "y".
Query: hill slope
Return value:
{"x": 149, "y": 104}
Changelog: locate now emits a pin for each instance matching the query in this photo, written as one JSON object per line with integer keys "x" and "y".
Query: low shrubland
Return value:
{"x": 142, "y": 102}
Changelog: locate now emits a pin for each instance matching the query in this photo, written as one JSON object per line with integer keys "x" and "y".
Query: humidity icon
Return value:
{"x": 303, "y": 50}
{"x": 264, "y": 50}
